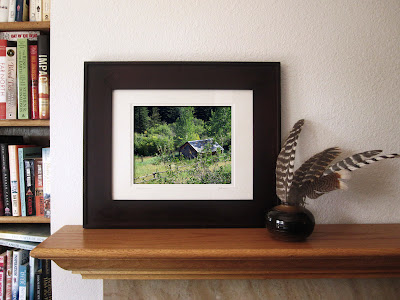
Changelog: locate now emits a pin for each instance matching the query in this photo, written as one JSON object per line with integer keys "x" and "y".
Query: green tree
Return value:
{"x": 141, "y": 119}
{"x": 155, "y": 118}
{"x": 219, "y": 126}
{"x": 185, "y": 128}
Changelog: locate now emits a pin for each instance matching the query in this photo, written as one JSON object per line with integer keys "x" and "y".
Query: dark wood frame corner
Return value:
{"x": 101, "y": 78}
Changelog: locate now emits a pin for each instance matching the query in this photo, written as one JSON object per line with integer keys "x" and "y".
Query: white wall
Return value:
{"x": 340, "y": 71}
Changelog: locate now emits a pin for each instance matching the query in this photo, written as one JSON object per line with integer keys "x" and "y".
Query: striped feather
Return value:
{"x": 285, "y": 162}
{"x": 325, "y": 184}
{"x": 351, "y": 163}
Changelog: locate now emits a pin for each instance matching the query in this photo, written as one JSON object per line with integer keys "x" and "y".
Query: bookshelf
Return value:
{"x": 33, "y": 131}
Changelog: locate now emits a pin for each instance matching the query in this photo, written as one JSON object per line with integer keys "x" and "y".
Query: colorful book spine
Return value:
{"x": 23, "y": 281}
{"x": 3, "y": 78}
{"x": 3, "y": 274}
{"x": 19, "y": 8}
{"x": 11, "y": 105}
{"x": 38, "y": 9}
{"x": 11, "y": 11}
{"x": 39, "y": 200}
{"x": 30, "y": 187}
{"x": 46, "y": 10}
{"x": 46, "y": 181}
{"x": 22, "y": 76}
{"x": 4, "y": 12}
{"x": 33, "y": 80}
{"x": 44, "y": 76}
{"x": 20, "y": 257}
{"x": 5, "y": 176}
{"x": 8, "y": 295}
{"x": 13, "y": 36}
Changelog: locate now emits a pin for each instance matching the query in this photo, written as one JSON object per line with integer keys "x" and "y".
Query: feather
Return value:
{"x": 310, "y": 171}
{"x": 285, "y": 162}
{"x": 325, "y": 184}
{"x": 350, "y": 163}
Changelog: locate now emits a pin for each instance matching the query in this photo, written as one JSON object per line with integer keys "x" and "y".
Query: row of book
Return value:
{"x": 24, "y": 10}
{"x": 25, "y": 178}
{"x": 24, "y": 75}
{"x": 23, "y": 277}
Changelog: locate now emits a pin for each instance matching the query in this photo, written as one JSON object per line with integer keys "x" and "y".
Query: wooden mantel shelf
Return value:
{"x": 333, "y": 251}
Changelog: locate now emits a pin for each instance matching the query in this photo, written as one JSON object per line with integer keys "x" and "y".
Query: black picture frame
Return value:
{"x": 101, "y": 78}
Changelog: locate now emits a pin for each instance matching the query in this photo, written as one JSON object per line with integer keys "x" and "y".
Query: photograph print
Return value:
{"x": 182, "y": 145}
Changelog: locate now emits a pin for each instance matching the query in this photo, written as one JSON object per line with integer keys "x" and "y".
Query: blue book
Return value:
{"x": 23, "y": 281}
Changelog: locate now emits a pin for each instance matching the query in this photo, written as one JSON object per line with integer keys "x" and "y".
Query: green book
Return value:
{"x": 22, "y": 76}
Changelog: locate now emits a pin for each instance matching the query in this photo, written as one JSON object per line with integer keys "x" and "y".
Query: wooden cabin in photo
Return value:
{"x": 192, "y": 148}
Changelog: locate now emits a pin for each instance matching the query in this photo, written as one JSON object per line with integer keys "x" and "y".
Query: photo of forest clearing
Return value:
{"x": 182, "y": 145}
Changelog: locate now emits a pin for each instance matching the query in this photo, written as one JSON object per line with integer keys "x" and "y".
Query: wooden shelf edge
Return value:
{"x": 25, "y": 220}
{"x": 24, "y": 123}
{"x": 21, "y": 26}
{"x": 335, "y": 251}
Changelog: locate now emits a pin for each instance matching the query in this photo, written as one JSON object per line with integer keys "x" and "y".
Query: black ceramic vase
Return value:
{"x": 290, "y": 223}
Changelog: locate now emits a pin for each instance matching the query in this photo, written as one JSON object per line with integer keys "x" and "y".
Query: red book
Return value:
{"x": 39, "y": 200}
{"x": 3, "y": 78}
{"x": 33, "y": 81}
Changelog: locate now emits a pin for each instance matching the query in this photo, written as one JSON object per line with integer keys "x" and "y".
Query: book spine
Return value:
{"x": 5, "y": 176}
{"x": 11, "y": 11}
{"x": 33, "y": 80}
{"x": 33, "y": 267}
{"x": 46, "y": 181}
{"x": 44, "y": 76}
{"x": 30, "y": 187}
{"x": 4, "y": 10}
{"x": 3, "y": 274}
{"x": 3, "y": 78}
{"x": 39, "y": 201}
{"x": 22, "y": 76}
{"x": 11, "y": 105}
{"x": 39, "y": 285}
{"x": 14, "y": 180}
{"x": 2, "y": 209}
{"x": 23, "y": 281}
{"x": 21, "y": 168}
{"x": 47, "y": 291}
{"x": 19, "y": 10}
{"x": 38, "y": 9}
{"x": 18, "y": 244}
{"x": 15, "y": 274}
{"x": 13, "y": 36}
{"x": 46, "y": 10}
{"x": 25, "y": 11}
{"x": 9, "y": 275}
{"x": 32, "y": 11}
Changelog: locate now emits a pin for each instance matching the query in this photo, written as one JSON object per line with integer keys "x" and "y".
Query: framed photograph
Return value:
{"x": 180, "y": 144}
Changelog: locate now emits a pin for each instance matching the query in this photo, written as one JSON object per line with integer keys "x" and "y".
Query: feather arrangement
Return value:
{"x": 318, "y": 175}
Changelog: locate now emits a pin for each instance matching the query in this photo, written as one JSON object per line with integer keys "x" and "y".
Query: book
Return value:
{"x": 20, "y": 257}
{"x": 46, "y": 10}
{"x": 2, "y": 207}
{"x": 3, "y": 274}
{"x": 38, "y": 9}
{"x": 46, "y": 273}
{"x": 18, "y": 244}
{"x": 39, "y": 200}
{"x": 22, "y": 78}
{"x": 39, "y": 284}
{"x": 14, "y": 178}
{"x": 20, "y": 232}
{"x": 23, "y": 281}
{"x": 26, "y": 153}
{"x": 3, "y": 78}
{"x": 4, "y": 12}
{"x": 11, "y": 11}
{"x": 19, "y": 10}
{"x": 33, "y": 268}
{"x": 29, "y": 181}
{"x": 11, "y": 60}
{"x": 33, "y": 80}
{"x": 46, "y": 161}
{"x": 9, "y": 275}
{"x": 13, "y": 36}
{"x": 32, "y": 11}
{"x": 5, "y": 171}
{"x": 44, "y": 76}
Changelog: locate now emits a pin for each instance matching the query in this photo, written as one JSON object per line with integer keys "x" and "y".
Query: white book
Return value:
{"x": 18, "y": 244}
{"x": 45, "y": 10}
{"x": 15, "y": 35}
{"x": 11, "y": 10}
{"x": 4, "y": 10}
{"x": 38, "y": 10}
{"x": 20, "y": 257}
{"x": 32, "y": 11}
{"x": 3, "y": 79}
{"x": 11, "y": 60}
{"x": 46, "y": 181}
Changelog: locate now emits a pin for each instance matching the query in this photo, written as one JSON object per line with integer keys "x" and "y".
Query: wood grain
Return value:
{"x": 21, "y": 26}
{"x": 24, "y": 123}
{"x": 26, "y": 220}
{"x": 334, "y": 251}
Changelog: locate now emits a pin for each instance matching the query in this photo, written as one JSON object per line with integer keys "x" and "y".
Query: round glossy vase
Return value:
{"x": 290, "y": 223}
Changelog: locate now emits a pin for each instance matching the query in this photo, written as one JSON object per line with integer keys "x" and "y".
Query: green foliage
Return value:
{"x": 141, "y": 118}
{"x": 147, "y": 145}
{"x": 219, "y": 126}
{"x": 185, "y": 128}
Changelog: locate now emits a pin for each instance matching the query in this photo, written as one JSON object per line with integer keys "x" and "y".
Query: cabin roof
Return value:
{"x": 200, "y": 145}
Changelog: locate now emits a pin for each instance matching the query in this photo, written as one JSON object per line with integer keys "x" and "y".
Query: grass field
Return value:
{"x": 206, "y": 170}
